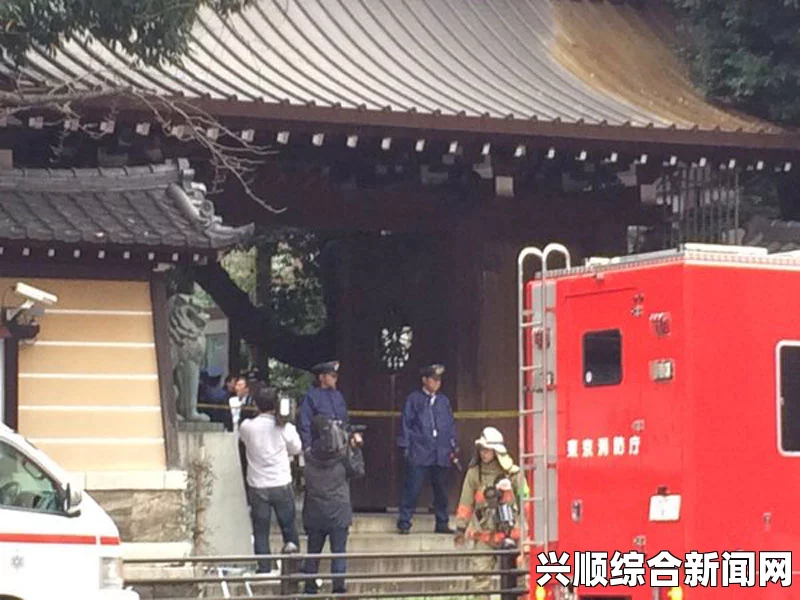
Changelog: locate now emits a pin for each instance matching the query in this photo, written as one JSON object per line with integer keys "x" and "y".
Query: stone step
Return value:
{"x": 360, "y": 543}
{"x": 375, "y": 543}
{"x": 383, "y": 582}
{"x": 393, "y": 543}
{"x": 387, "y": 523}
{"x": 382, "y": 542}
{"x": 377, "y": 522}
{"x": 449, "y": 564}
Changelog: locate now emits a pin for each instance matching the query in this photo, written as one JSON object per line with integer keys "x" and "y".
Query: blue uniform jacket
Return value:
{"x": 319, "y": 402}
{"x": 416, "y": 434}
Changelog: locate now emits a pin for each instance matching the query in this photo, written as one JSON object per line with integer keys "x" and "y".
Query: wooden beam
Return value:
{"x": 398, "y": 124}
{"x": 169, "y": 414}
{"x": 78, "y": 270}
{"x": 11, "y": 383}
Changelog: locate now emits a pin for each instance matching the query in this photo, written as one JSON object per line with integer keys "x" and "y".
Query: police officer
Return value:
{"x": 210, "y": 393}
{"x": 321, "y": 399}
{"x": 429, "y": 442}
{"x": 492, "y": 473}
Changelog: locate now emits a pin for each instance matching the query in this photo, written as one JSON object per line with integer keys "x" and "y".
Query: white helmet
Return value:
{"x": 492, "y": 439}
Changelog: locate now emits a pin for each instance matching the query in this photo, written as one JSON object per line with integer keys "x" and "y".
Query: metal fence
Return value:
{"x": 233, "y": 577}
{"x": 701, "y": 204}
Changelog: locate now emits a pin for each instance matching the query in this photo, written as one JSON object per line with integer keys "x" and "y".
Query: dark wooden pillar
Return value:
{"x": 169, "y": 416}
{"x": 11, "y": 382}
{"x": 264, "y": 256}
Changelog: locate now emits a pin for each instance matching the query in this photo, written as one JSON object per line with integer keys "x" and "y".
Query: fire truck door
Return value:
{"x": 602, "y": 401}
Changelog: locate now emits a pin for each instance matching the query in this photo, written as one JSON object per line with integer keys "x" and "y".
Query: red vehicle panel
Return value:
{"x": 675, "y": 380}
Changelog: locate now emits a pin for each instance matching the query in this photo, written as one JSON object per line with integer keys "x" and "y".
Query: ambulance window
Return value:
{"x": 23, "y": 485}
{"x": 789, "y": 374}
{"x": 602, "y": 357}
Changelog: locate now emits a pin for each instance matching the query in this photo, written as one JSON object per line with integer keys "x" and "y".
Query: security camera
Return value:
{"x": 35, "y": 294}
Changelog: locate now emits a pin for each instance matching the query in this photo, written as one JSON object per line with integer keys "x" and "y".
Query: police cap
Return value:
{"x": 214, "y": 372}
{"x": 436, "y": 371}
{"x": 326, "y": 367}
{"x": 211, "y": 374}
{"x": 252, "y": 374}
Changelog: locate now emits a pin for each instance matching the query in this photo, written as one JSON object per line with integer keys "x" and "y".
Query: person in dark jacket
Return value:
{"x": 429, "y": 443}
{"x": 321, "y": 399}
{"x": 335, "y": 458}
{"x": 214, "y": 397}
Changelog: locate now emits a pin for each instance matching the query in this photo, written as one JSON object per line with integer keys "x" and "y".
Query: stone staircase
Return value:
{"x": 374, "y": 533}
{"x": 377, "y": 533}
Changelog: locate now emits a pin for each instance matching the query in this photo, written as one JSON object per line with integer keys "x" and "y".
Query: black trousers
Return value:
{"x": 412, "y": 485}
{"x": 243, "y": 463}
{"x": 316, "y": 541}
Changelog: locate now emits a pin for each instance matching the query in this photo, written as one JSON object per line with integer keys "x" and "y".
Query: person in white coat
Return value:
{"x": 268, "y": 446}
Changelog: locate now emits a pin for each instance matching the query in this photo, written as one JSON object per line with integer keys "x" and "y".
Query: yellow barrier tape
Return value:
{"x": 378, "y": 414}
{"x": 226, "y": 408}
{"x": 486, "y": 414}
{"x": 459, "y": 414}
{"x": 373, "y": 413}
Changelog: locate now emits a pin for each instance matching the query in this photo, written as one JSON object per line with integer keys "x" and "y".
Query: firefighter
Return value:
{"x": 492, "y": 483}
{"x": 429, "y": 443}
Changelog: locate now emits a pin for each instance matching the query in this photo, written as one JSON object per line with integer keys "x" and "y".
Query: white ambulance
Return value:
{"x": 55, "y": 542}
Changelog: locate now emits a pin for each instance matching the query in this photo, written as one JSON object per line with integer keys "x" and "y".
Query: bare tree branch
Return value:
{"x": 225, "y": 157}
{"x": 230, "y": 154}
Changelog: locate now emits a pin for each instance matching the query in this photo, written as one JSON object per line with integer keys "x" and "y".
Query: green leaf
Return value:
{"x": 153, "y": 31}
{"x": 744, "y": 53}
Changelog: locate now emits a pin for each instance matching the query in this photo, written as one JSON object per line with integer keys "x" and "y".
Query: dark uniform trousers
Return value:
{"x": 412, "y": 485}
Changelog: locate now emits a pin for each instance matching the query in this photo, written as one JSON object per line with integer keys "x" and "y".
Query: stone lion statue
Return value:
{"x": 187, "y": 323}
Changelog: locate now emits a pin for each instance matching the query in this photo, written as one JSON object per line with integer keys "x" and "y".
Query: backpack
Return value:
{"x": 333, "y": 437}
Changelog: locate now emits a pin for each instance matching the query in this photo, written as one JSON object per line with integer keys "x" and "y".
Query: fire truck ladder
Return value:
{"x": 537, "y": 399}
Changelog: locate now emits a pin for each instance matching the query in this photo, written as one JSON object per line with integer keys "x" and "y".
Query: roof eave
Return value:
{"x": 307, "y": 117}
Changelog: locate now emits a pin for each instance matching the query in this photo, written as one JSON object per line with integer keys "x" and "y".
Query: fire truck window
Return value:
{"x": 602, "y": 358}
{"x": 790, "y": 398}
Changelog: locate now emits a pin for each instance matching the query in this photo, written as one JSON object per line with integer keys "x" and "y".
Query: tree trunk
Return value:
{"x": 263, "y": 300}
{"x": 255, "y": 326}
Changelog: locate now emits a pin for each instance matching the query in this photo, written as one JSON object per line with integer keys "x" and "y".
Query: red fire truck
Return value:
{"x": 660, "y": 423}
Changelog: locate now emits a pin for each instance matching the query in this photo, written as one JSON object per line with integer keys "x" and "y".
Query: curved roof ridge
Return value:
{"x": 94, "y": 179}
{"x": 153, "y": 207}
{"x": 545, "y": 60}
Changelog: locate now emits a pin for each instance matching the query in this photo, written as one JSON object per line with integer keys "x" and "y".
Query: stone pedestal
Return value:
{"x": 200, "y": 427}
{"x": 228, "y": 527}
